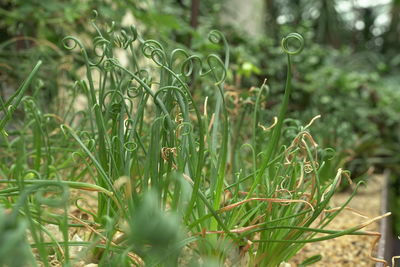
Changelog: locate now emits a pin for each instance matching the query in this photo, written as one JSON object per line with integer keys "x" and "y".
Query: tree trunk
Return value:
{"x": 392, "y": 36}
{"x": 195, "y": 11}
{"x": 329, "y": 25}
{"x": 272, "y": 14}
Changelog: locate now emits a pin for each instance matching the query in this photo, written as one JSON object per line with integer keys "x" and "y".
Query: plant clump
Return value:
{"x": 175, "y": 179}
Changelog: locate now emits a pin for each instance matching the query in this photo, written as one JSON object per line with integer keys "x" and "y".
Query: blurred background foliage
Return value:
{"x": 349, "y": 72}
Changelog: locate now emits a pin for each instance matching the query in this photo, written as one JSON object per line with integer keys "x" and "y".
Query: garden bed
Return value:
{"x": 170, "y": 161}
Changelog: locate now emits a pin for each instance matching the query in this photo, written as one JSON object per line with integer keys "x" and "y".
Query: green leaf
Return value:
{"x": 311, "y": 260}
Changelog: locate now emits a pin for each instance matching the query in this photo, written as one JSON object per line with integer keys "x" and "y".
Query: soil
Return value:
{"x": 349, "y": 250}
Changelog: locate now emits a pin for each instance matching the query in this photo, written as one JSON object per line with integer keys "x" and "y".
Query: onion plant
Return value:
{"x": 158, "y": 158}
